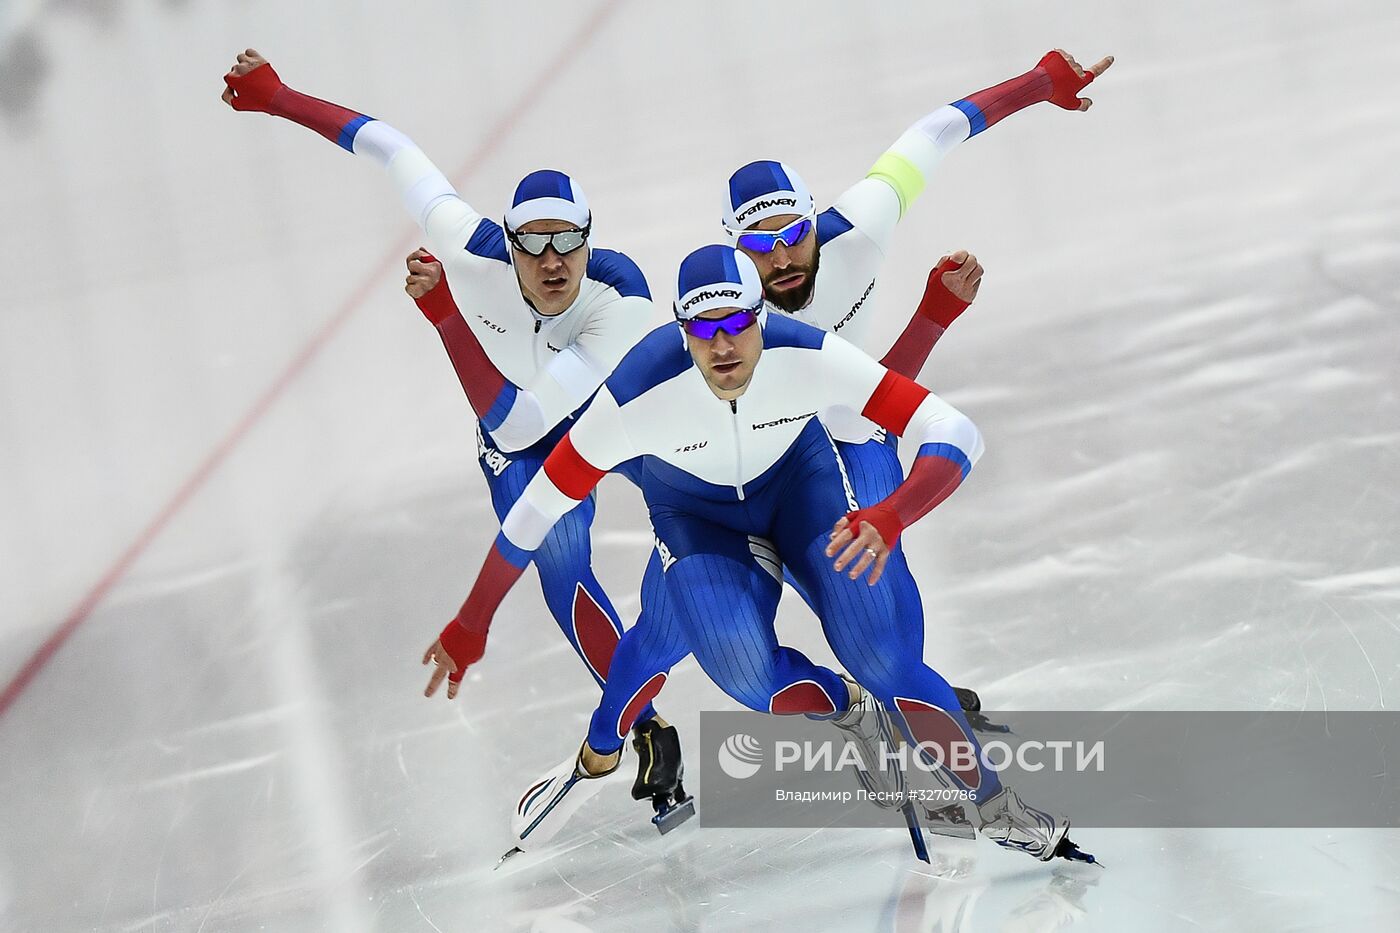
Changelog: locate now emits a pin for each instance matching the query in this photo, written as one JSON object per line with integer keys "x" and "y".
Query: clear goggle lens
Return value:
{"x": 564, "y": 242}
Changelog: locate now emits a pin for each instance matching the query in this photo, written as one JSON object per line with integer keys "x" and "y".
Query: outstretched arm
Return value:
{"x": 952, "y": 286}
{"x": 596, "y": 443}
{"x": 252, "y": 84}
{"x": 1057, "y": 78}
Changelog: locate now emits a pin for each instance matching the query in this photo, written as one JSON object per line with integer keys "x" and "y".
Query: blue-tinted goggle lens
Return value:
{"x": 763, "y": 241}
{"x": 732, "y": 324}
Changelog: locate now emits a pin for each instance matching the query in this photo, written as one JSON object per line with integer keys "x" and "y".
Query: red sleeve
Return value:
{"x": 1051, "y": 79}
{"x": 574, "y": 476}
{"x": 262, "y": 90}
{"x": 931, "y": 480}
{"x": 893, "y": 402}
{"x": 464, "y": 638}
{"x": 936, "y": 312}
{"x": 480, "y": 378}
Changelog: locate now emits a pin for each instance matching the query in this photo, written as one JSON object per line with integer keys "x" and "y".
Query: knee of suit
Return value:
{"x": 883, "y": 673}
{"x": 754, "y": 692}
{"x": 768, "y": 690}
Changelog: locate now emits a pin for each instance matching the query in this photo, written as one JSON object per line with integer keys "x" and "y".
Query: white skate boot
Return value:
{"x": 867, "y": 724}
{"x": 547, "y": 805}
{"x": 1012, "y": 824}
{"x": 947, "y": 820}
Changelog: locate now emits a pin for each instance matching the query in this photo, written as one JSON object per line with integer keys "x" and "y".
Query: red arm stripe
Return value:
{"x": 574, "y": 476}
{"x": 893, "y": 402}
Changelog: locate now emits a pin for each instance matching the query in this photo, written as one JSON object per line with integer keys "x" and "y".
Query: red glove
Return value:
{"x": 437, "y": 305}
{"x": 931, "y": 480}
{"x": 464, "y": 644}
{"x": 939, "y": 304}
{"x": 1065, "y": 84}
{"x": 255, "y": 90}
{"x": 882, "y": 517}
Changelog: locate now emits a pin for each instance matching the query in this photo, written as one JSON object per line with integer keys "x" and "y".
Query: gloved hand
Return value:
{"x": 251, "y": 83}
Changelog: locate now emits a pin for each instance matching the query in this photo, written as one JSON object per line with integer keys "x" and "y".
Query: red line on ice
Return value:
{"x": 309, "y": 351}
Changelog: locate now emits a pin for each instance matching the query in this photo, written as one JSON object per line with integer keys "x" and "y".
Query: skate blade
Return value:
{"x": 673, "y": 816}
{"x": 916, "y": 832}
{"x": 514, "y": 851}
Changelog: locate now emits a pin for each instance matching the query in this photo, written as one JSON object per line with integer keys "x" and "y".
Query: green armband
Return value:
{"x": 901, "y": 175}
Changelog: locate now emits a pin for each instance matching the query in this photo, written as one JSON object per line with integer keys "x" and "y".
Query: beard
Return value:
{"x": 793, "y": 300}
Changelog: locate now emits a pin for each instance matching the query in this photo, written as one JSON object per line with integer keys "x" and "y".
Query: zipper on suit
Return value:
{"x": 738, "y": 457}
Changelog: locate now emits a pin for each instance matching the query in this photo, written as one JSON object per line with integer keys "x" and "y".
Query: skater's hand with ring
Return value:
{"x": 446, "y": 667}
{"x": 864, "y": 545}
{"x": 424, "y": 273}
{"x": 1068, "y": 78}
{"x": 251, "y": 82}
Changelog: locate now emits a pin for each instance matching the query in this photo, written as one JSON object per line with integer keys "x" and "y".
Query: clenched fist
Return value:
{"x": 965, "y": 276}
{"x": 424, "y": 273}
{"x": 251, "y": 83}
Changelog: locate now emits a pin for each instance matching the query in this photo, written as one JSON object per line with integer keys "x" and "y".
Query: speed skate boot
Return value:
{"x": 971, "y": 705}
{"x": 659, "y": 773}
{"x": 547, "y": 805}
{"x": 1009, "y": 822}
{"x": 942, "y": 819}
{"x": 867, "y": 724}
{"x": 947, "y": 820}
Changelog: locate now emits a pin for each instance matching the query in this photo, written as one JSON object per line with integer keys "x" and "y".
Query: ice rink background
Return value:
{"x": 239, "y": 497}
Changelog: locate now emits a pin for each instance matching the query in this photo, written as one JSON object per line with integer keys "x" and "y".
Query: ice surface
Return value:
{"x": 223, "y": 422}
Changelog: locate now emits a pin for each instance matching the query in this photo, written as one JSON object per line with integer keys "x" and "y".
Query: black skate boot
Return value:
{"x": 659, "y": 773}
{"x": 971, "y": 705}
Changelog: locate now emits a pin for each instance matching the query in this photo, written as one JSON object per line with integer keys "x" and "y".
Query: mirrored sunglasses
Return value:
{"x": 732, "y": 324}
{"x": 765, "y": 241}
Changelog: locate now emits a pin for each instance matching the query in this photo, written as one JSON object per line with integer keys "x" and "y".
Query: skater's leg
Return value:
{"x": 644, "y": 656}
{"x": 725, "y": 604}
{"x": 867, "y": 626}
{"x": 863, "y": 625}
{"x": 721, "y": 603}
{"x": 860, "y": 622}
{"x": 874, "y": 471}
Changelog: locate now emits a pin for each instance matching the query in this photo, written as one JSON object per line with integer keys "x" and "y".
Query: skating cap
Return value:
{"x": 716, "y": 277}
{"x": 547, "y": 195}
{"x": 764, "y": 189}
